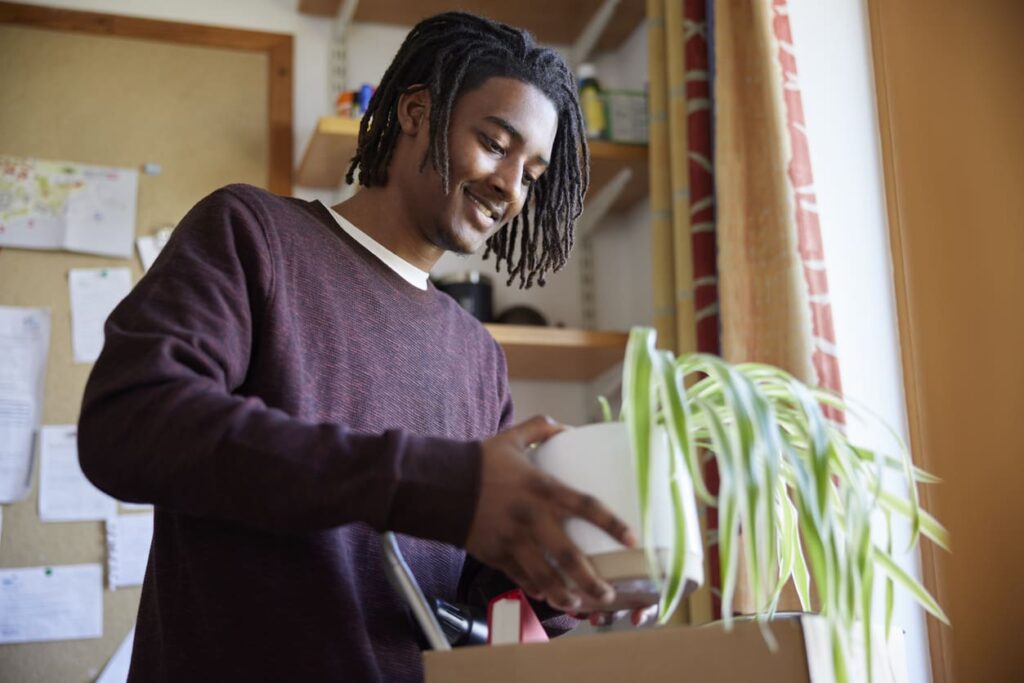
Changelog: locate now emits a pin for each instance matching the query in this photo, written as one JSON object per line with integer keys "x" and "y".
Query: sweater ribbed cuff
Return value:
{"x": 438, "y": 487}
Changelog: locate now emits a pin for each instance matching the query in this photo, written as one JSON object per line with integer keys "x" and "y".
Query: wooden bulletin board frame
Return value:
{"x": 277, "y": 46}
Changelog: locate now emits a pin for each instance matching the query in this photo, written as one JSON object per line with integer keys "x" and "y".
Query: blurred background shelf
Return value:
{"x": 333, "y": 143}
{"x": 552, "y": 353}
{"x": 557, "y": 22}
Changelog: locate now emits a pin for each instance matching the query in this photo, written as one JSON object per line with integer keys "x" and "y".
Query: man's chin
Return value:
{"x": 448, "y": 241}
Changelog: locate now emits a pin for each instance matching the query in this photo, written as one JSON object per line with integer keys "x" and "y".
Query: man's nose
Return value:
{"x": 507, "y": 180}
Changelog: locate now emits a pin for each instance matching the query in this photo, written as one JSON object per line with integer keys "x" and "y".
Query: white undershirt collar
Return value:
{"x": 408, "y": 272}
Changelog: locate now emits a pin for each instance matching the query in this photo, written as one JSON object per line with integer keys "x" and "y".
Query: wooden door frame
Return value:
{"x": 277, "y": 46}
{"x": 940, "y": 644}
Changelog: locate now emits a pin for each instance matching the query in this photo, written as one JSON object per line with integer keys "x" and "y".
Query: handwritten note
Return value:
{"x": 51, "y": 603}
{"x": 94, "y": 294}
{"x": 65, "y": 495}
{"x": 24, "y": 343}
{"x": 128, "y": 540}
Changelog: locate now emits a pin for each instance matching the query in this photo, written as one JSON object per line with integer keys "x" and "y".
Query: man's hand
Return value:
{"x": 519, "y": 525}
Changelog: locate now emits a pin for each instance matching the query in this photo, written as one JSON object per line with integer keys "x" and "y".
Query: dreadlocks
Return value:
{"x": 454, "y": 53}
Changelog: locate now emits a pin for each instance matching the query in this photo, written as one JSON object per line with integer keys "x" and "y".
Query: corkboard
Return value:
{"x": 84, "y": 95}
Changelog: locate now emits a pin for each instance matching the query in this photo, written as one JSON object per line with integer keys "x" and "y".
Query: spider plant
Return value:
{"x": 793, "y": 491}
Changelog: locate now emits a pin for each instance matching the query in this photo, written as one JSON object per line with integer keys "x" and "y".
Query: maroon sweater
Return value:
{"x": 281, "y": 396}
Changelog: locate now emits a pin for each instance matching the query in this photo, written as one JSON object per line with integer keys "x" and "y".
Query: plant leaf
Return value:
{"x": 885, "y": 561}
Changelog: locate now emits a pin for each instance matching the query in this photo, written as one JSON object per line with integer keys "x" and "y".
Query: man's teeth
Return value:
{"x": 482, "y": 207}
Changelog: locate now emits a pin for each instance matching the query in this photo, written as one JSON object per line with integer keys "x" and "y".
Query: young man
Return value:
{"x": 285, "y": 383}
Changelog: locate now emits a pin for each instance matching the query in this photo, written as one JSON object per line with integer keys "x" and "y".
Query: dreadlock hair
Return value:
{"x": 451, "y": 54}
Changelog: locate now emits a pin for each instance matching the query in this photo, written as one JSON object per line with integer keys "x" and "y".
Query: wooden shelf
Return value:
{"x": 328, "y": 153}
{"x": 607, "y": 159}
{"x": 334, "y": 142}
{"x": 552, "y": 353}
{"x": 554, "y": 22}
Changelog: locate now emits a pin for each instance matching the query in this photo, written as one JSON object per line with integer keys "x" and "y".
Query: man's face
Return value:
{"x": 499, "y": 142}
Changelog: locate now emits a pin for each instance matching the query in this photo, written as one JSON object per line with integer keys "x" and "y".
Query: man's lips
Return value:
{"x": 486, "y": 207}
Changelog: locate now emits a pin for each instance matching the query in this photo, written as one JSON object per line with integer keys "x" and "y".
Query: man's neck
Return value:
{"x": 383, "y": 214}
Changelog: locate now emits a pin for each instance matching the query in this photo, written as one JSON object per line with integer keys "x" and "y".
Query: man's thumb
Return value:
{"x": 537, "y": 429}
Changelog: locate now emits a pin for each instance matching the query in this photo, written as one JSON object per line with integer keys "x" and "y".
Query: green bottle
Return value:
{"x": 592, "y": 103}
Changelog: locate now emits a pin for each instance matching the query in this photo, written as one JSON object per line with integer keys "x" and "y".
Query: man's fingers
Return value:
{"x": 537, "y": 429}
{"x": 547, "y": 580}
{"x": 591, "y": 509}
{"x": 514, "y": 571}
{"x": 570, "y": 561}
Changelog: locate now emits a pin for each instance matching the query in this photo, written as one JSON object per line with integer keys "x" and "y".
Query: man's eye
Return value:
{"x": 528, "y": 180}
{"x": 492, "y": 145}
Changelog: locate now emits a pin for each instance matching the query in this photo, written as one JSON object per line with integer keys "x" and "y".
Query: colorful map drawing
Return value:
{"x": 65, "y": 205}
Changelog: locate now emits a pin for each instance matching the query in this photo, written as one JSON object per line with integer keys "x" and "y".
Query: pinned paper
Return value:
{"x": 62, "y": 602}
{"x": 24, "y": 344}
{"x": 66, "y": 205}
{"x": 65, "y": 495}
{"x": 116, "y": 670}
{"x": 128, "y": 541}
{"x": 94, "y": 294}
{"x": 150, "y": 246}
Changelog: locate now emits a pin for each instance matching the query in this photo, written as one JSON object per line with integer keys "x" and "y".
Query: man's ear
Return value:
{"x": 414, "y": 109}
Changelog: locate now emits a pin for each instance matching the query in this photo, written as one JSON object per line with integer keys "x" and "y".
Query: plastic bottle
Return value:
{"x": 591, "y": 102}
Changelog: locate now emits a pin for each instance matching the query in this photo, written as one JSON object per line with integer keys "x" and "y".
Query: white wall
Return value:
{"x": 833, "y": 52}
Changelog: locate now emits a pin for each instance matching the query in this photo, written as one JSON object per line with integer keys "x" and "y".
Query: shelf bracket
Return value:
{"x": 598, "y": 206}
{"x": 337, "y": 61}
{"x": 591, "y": 33}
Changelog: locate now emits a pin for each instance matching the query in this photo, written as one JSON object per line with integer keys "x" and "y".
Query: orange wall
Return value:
{"x": 950, "y": 80}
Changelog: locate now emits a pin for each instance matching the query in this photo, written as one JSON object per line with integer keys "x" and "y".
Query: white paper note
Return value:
{"x": 128, "y": 540}
{"x": 116, "y": 670}
{"x": 66, "y": 205}
{"x": 150, "y": 246}
{"x": 24, "y": 344}
{"x": 65, "y": 495}
{"x": 63, "y": 602}
{"x": 94, "y": 294}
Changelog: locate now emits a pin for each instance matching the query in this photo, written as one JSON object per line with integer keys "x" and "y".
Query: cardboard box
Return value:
{"x": 670, "y": 654}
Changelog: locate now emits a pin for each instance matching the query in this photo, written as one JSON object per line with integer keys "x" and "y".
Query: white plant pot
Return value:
{"x": 597, "y": 459}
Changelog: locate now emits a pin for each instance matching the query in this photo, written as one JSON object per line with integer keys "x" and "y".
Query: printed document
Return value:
{"x": 24, "y": 344}
{"x": 128, "y": 540}
{"x": 65, "y": 495}
{"x": 62, "y": 602}
{"x": 94, "y": 294}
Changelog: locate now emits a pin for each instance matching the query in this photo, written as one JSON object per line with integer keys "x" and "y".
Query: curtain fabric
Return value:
{"x": 732, "y": 193}
{"x": 774, "y": 288}
{"x": 683, "y": 199}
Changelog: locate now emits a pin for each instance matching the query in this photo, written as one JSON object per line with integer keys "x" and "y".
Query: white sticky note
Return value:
{"x": 94, "y": 294}
{"x": 128, "y": 540}
{"x": 116, "y": 670}
{"x": 63, "y": 602}
{"x": 24, "y": 345}
{"x": 65, "y": 495}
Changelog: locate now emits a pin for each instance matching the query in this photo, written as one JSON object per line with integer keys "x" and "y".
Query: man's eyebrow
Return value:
{"x": 498, "y": 121}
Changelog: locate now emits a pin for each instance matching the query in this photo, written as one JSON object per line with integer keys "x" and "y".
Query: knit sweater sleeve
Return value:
{"x": 164, "y": 420}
